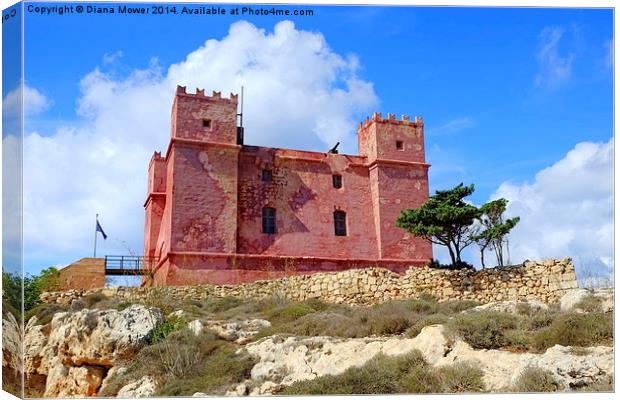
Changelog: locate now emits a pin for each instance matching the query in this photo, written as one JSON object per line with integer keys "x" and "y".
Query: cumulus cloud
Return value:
{"x": 567, "y": 210}
{"x": 554, "y": 67}
{"x": 298, "y": 93}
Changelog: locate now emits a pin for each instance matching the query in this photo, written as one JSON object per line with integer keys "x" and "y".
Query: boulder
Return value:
{"x": 509, "y": 306}
{"x": 144, "y": 387}
{"x": 100, "y": 337}
{"x": 195, "y": 326}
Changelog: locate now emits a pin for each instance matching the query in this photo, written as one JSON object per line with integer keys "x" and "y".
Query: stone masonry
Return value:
{"x": 545, "y": 281}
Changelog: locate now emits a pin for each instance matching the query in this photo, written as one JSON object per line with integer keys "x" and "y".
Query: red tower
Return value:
{"x": 219, "y": 211}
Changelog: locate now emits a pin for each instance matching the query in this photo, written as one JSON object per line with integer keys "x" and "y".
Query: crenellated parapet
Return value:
{"x": 377, "y": 117}
{"x": 200, "y": 93}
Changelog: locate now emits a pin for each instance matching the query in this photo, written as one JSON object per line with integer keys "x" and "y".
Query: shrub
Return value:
{"x": 44, "y": 312}
{"x": 483, "y": 330}
{"x": 575, "y": 329}
{"x": 92, "y": 299}
{"x": 421, "y": 380}
{"x": 422, "y": 306}
{"x": 165, "y": 328}
{"x": 380, "y": 375}
{"x": 216, "y": 305}
{"x": 457, "y": 306}
{"x": 535, "y": 379}
{"x": 289, "y": 312}
{"x": 590, "y": 304}
{"x": 461, "y": 378}
{"x": 219, "y": 371}
{"x": 427, "y": 320}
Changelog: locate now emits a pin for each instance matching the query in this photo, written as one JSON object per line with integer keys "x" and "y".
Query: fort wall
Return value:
{"x": 544, "y": 281}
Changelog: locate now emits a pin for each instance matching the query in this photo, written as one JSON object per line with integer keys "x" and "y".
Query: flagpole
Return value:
{"x": 96, "y": 220}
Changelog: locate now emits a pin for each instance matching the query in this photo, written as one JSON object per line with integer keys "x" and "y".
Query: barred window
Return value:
{"x": 267, "y": 176}
{"x": 340, "y": 223}
{"x": 269, "y": 220}
{"x": 337, "y": 181}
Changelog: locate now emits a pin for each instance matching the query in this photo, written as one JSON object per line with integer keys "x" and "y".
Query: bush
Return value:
{"x": 457, "y": 306}
{"x": 289, "y": 312}
{"x": 216, "y": 305}
{"x": 483, "y": 330}
{"x": 422, "y": 306}
{"x": 590, "y": 304}
{"x": 461, "y": 378}
{"x": 223, "y": 368}
{"x": 92, "y": 299}
{"x": 380, "y": 375}
{"x": 575, "y": 329}
{"x": 535, "y": 379}
{"x": 44, "y": 312}
{"x": 421, "y": 380}
{"x": 165, "y": 328}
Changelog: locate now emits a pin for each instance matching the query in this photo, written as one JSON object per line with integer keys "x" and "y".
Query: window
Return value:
{"x": 269, "y": 220}
{"x": 340, "y": 223}
{"x": 206, "y": 123}
{"x": 267, "y": 175}
{"x": 337, "y": 181}
{"x": 399, "y": 145}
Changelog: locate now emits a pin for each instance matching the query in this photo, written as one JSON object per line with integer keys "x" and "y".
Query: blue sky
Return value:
{"x": 504, "y": 92}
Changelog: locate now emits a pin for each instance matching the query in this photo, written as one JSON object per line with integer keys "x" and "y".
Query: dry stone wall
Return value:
{"x": 545, "y": 281}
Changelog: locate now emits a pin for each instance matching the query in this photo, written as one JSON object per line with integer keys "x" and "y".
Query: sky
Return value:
{"x": 518, "y": 101}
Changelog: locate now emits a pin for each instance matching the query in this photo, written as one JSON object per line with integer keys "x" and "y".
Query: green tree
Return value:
{"x": 494, "y": 229}
{"x": 445, "y": 219}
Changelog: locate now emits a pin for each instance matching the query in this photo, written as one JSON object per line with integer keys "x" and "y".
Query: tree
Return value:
{"x": 445, "y": 219}
{"x": 494, "y": 229}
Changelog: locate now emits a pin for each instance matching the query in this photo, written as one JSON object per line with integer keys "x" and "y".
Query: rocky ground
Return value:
{"x": 98, "y": 347}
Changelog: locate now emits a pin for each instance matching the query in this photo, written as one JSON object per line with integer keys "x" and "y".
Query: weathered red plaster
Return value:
{"x": 205, "y": 199}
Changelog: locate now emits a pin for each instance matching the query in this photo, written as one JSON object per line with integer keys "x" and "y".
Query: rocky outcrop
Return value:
{"x": 240, "y": 332}
{"x": 571, "y": 300}
{"x": 144, "y": 387}
{"x": 11, "y": 352}
{"x": 75, "y": 351}
{"x": 545, "y": 281}
{"x": 284, "y": 361}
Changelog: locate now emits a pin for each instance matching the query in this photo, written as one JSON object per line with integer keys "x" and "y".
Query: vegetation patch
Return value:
{"x": 535, "y": 379}
{"x": 408, "y": 373}
{"x": 484, "y": 329}
{"x": 573, "y": 329}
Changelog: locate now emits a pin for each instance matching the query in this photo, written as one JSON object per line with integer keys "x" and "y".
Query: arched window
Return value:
{"x": 269, "y": 220}
{"x": 340, "y": 223}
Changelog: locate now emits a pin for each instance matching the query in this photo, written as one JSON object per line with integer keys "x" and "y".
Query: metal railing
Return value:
{"x": 128, "y": 265}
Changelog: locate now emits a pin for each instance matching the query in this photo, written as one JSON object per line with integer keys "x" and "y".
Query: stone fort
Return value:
{"x": 219, "y": 211}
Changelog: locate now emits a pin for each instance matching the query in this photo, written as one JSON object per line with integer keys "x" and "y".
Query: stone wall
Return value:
{"x": 84, "y": 274}
{"x": 534, "y": 280}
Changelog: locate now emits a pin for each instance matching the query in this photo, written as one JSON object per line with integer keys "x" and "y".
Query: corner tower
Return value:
{"x": 394, "y": 149}
{"x": 203, "y": 160}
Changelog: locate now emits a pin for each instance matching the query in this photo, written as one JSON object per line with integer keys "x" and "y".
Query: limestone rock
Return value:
{"x": 100, "y": 337}
{"x": 144, "y": 387}
{"x": 11, "y": 343}
{"x": 240, "y": 332}
{"x": 64, "y": 381}
{"x": 195, "y": 326}
{"x": 509, "y": 306}
{"x": 573, "y": 297}
{"x": 112, "y": 373}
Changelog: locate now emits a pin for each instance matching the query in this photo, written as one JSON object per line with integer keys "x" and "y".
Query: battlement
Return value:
{"x": 200, "y": 93}
{"x": 391, "y": 119}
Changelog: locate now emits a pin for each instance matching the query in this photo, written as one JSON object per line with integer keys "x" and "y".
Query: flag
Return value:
{"x": 100, "y": 229}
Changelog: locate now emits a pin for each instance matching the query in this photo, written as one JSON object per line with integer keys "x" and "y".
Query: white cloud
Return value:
{"x": 567, "y": 210}
{"x": 34, "y": 102}
{"x": 452, "y": 126}
{"x": 298, "y": 93}
{"x": 109, "y": 58}
{"x": 554, "y": 67}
